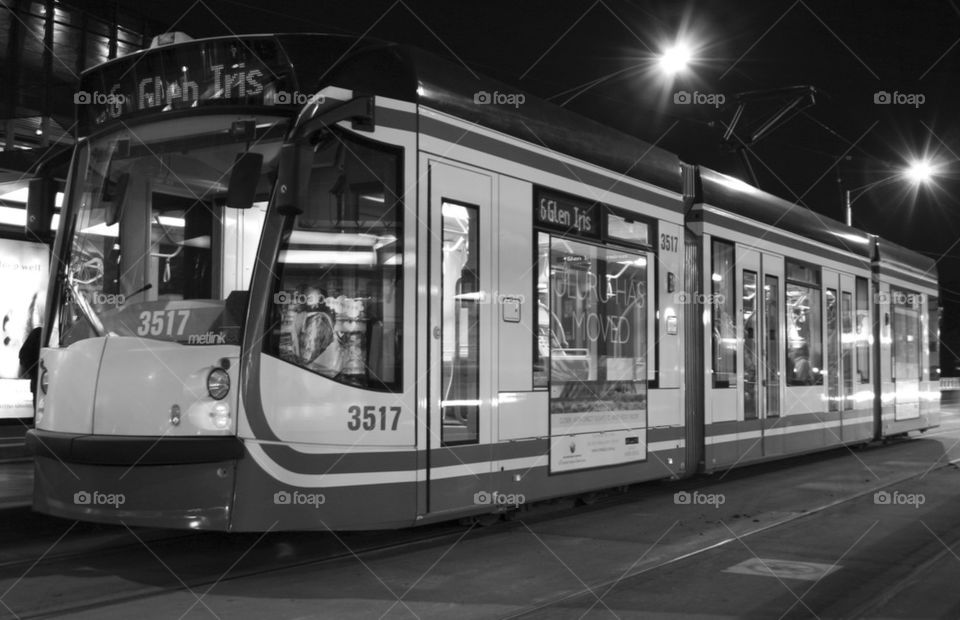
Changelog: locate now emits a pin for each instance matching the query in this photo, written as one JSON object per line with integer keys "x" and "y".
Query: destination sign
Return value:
{"x": 566, "y": 214}
{"x": 205, "y": 73}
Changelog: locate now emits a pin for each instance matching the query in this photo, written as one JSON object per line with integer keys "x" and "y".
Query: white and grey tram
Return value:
{"x": 305, "y": 282}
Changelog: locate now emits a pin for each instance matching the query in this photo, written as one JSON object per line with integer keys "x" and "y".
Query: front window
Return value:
{"x": 337, "y": 300}
{"x": 154, "y": 251}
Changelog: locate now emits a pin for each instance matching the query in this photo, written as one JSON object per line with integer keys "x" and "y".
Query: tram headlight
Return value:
{"x": 44, "y": 380}
{"x": 218, "y": 384}
{"x": 220, "y": 414}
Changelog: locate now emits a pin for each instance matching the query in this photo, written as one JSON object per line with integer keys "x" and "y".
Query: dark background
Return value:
{"x": 598, "y": 58}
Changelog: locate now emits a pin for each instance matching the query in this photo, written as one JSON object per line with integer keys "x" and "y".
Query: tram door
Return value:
{"x": 761, "y": 279}
{"x": 906, "y": 335}
{"x": 460, "y": 337}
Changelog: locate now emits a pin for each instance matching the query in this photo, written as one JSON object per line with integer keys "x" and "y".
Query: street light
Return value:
{"x": 918, "y": 172}
{"x": 676, "y": 58}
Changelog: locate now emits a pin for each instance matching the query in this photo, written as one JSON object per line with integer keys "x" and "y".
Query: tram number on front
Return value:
{"x": 371, "y": 418}
{"x": 160, "y": 322}
{"x": 669, "y": 243}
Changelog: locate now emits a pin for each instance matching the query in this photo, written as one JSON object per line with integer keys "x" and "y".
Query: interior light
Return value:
{"x": 102, "y": 230}
{"x": 177, "y": 222}
{"x": 327, "y": 257}
{"x": 304, "y": 237}
{"x": 13, "y": 216}
{"x": 455, "y": 211}
{"x": 17, "y": 195}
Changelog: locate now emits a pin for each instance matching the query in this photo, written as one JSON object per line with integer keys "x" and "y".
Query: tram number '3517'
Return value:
{"x": 669, "y": 243}
{"x": 367, "y": 418}
{"x": 159, "y": 322}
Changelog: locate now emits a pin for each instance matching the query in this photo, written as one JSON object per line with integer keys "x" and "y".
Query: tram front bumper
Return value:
{"x": 186, "y": 484}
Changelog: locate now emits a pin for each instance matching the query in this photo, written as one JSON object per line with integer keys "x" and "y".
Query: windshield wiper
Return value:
{"x": 145, "y": 287}
{"x": 85, "y": 308}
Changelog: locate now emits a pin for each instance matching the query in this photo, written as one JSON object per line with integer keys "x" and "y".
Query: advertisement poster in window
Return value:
{"x": 23, "y": 280}
{"x": 595, "y": 304}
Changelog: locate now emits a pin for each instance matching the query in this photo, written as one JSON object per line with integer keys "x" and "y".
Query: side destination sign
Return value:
{"x": 566, "y": 214}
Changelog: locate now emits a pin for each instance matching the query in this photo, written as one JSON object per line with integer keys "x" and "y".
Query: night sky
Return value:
{"x": 599, "y": 59}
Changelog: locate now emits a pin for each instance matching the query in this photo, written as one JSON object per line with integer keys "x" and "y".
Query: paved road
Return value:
{"x": 848, "y": 533}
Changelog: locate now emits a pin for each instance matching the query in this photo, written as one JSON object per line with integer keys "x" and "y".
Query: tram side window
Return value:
{"x": 723, "y": 313}
{"x": 864, "y": 331}
{"x": 337, "y": 306}
{"x": 906, "y": 335}
{"x": 545, "y": 337}
{"x": 804, "y": 325}
{"x": 933, "y": 336}
{"x": 833, "y": 351}
{"x": 461, "y": 337}
{"x": 846, "y": 344}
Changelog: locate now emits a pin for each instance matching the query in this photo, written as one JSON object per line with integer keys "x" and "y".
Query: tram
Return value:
{"x": 308, "y": 282}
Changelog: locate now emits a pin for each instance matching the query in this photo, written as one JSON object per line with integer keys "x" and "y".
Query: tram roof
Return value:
{"x": 410, "y": 74}
{"x": 738, "y": 198}
{"x": 893, "y": 254}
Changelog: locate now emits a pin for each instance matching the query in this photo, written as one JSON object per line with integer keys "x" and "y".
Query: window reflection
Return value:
{"x": 804, "y": 325}
{"x": 460, "y": 343}
{"x": 723, "y": 315}
{"x": 596, "y": 312}
{"x": 338, "y": 297}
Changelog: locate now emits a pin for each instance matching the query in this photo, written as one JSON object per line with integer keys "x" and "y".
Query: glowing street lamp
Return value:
{"x": 675, "y": 59}
{"x": 919, "y": 171}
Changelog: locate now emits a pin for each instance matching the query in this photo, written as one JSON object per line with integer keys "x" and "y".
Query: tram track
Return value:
{"x": 197, "y": 585}
{"x": 365, "y": 546}
{"x": 607, "y": 584}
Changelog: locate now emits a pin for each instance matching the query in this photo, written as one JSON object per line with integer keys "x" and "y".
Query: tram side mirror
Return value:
{"x": 41, "y": 194}
{"x": 244, "y": 177}
{"x": 114, "y": 198}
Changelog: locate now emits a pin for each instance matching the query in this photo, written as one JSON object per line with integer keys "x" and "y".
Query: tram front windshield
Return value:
{"x": 154, "y": 250}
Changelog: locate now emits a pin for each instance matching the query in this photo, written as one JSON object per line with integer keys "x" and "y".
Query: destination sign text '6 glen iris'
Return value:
{"x": 205, "y": 74}
{"x": 565, "y": 214}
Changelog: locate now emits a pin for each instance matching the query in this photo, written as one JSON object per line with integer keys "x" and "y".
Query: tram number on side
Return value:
{"x": 368, "y": 419}
{"x": 669, "y": 243}
{"x": 159, "y": 322}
